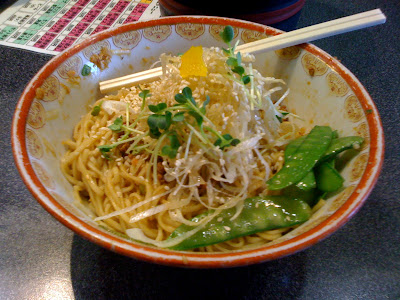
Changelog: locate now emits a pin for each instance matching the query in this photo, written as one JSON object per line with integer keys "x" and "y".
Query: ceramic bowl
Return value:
{"x": 323, "y": 92}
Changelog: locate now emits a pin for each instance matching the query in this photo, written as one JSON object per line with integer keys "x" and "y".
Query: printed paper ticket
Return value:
{"x": 50, "y": 26}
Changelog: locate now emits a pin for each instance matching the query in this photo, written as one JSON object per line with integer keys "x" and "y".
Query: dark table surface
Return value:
{"x": 42, "y": 259}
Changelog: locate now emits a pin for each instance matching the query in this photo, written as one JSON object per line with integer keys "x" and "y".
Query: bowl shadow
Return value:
{"x": 97, "y": 273}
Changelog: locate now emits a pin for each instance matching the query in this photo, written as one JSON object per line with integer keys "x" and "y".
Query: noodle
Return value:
{"x": 137, "y": 188}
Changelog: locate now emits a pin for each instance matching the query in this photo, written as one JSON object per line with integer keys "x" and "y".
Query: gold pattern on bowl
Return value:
{"x": 157, "y": 34}
{"x": 337, "y": 85}
{"x": 127, "y": 40}
{"x": 190, "y": 31}
{"x": 313, "y": 65}
{"x": 37, "y": 115}
{"x": 289, "y": 53}
{"x": 34, "y": 145}
{"x": 353, "y": 110}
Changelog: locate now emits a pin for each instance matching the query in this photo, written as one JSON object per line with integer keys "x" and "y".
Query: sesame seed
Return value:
{"x": 227, "y": 228}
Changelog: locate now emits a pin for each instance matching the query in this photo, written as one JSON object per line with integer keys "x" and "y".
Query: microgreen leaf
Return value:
{"x": 172, "y": 153}
{"x": 104, "y": 149}
{"x": 235, "y": 142}
{"x": 86, "y": 70}
{"x": 180, "y": 98}
{"x": 152, "y": 121}
{"x": 145, "y": 93}
{"x": 117, "y": 124}
{"x": 203, "y": 108}
{"x": 158, "y": 122}
{"x": 168, "y": 120}
{"x": 168, "y": 151}
{"x": 226, "y": 140}
{"x": 226, "y": 51}
{"x": 187, "y": 92}
{"x": 173, "y": 138}
{"x": 232, "y": 61}
{"x": 185, "y": 97}
{"x": 239, "y": 70}
{"x": 227, "y": 136}
{"x": 96, "y": 109}
{"x": 161, "y": 106}
{"x": 197, "y": 116}
{"x": 172, "y": 149}
{"x": 239, "y": 58}
{"x": 227, "y": 34}
{"x": 179, "y": 117}
{"x": 153, "y": 108}
{"x": 154, "y": 133}
{"x": 246, "y": 79}
{"x": 157, "y": 108}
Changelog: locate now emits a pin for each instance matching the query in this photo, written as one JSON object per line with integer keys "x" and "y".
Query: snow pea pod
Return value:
{"x": 328, "y": 179}
{"x": 341, "y": 144}
{"x": 309, "y": 196}
{"x": 337, "y": 145}
{"x": 304, "y": 159}
{"x": 291, "y": 148}
{"x": 308, "y": 182}
{"x": 258, "y": 214}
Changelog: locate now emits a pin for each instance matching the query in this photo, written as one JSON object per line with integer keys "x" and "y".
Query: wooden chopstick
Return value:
{"x": 318, "y": 31}
{"x": 295, "y": 37}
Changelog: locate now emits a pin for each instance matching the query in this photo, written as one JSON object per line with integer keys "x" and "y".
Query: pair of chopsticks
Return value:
{"x": 295, "y": 37}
